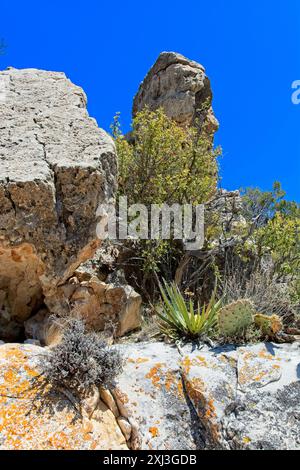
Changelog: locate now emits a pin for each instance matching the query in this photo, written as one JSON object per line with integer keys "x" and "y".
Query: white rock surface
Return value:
{"x": 244, "y": 397}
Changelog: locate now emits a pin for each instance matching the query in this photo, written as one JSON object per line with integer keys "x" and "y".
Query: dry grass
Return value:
{"x": 268, "y": 296}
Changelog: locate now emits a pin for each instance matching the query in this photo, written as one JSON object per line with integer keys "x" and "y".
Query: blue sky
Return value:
{"x": 250, "y": 49}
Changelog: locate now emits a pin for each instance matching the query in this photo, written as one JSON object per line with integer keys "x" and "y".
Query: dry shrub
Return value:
{"x": 262, "y": 288}
{"x": 81, "y": 360}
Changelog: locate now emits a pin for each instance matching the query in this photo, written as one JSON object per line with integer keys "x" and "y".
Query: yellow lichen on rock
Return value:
{"x": 32, "y": 417}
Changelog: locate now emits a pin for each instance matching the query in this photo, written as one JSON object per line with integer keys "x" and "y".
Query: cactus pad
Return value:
{"x": 235, "y": 318}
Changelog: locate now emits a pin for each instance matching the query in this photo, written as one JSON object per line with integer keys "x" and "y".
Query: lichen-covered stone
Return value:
{"x": 151, "y": 391}
{"x": 211, "y": 383}
{"x": 247, "y": 397}
{"x": 244, "y": 397}
{"x": 29, "y": 421}
{"x": 166, "y": 398}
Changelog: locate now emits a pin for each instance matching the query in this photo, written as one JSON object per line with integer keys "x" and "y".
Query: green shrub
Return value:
{"x": 179, "y": 318}
{"x": 161, "y": 162}
{"x": 275, "y": 229}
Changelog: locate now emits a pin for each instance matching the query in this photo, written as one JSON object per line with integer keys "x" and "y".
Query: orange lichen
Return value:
{"x": 180, "y": 388}
{"x": 204, "y": 405}
{"x": 169, "y": 380}
{"x": 154, "y": 431}
{"x": 154, "y": 374}
{"x": 210, "y": 409}
{"x": 31, "y": 372}
{"x": 264, "y": 355}
{"x": 187, "y": 364}
{"x": 140, "y": 360}
{"x": 165, "y": 378}
{"x": 259, "y": 376}
{"x": 23, "y": 425}
{"x": 255, "y": 371}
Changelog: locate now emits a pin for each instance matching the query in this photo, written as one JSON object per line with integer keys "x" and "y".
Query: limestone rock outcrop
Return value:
{"x": 32, "y": 419}
{"x": 56, "y": 167}
{"x": 181, "y": 87}
{"x": 222, "y": 398}
{"x": 166, "y": 398}
{"x": 152, "y": 390}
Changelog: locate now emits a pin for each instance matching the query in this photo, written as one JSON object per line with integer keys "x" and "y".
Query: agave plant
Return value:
{"x": 180, "y": 317}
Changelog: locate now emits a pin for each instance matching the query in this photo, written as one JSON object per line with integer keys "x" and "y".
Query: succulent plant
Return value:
{"x": 270, "y": 325}
{"x": 180, "y": 318}
{"x": 235, "y": 318}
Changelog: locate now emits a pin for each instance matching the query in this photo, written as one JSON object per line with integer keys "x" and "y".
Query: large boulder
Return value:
{"x": 181, "y": 87}
{"x": 33, "y": 419}
{"x": 56, "y": 167}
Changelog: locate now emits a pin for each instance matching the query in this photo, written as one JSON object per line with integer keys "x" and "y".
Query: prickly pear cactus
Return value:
{"x": 235, "y": 318}
{"x": 270, "y": 325}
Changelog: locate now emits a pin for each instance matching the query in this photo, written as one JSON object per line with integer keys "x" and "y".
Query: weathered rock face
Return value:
{"x": 243, "y": 397}
{"x": 103, "y": 306}
{"x": 29, "y": 422}
{"x": 181, "y": 88}
{"x": 56, "y": 166}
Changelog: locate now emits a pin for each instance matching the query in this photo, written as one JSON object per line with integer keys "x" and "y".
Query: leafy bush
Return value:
{"x": 179, "y": 318}
{"x": 261, "y": 206}
{"x": 281, "y": 238}
{"x": 81, "y": 360}
{"x": 274, "y": 229}
{"x": 161, "y": 162}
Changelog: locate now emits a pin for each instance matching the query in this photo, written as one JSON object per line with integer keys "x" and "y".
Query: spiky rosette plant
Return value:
{"x": 180, "y": 318}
